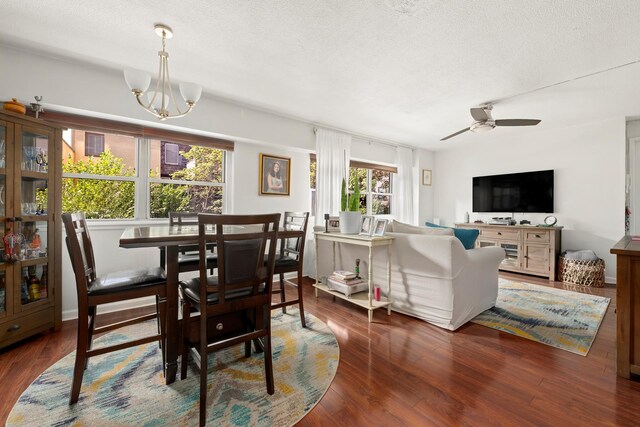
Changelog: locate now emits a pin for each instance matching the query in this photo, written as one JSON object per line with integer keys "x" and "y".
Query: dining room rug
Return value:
{"x": 556, "y": 317}
{"x": 127, "y": 387}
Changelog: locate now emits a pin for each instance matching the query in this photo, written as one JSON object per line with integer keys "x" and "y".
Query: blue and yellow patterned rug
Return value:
{"x": 562, "y": 319}
{"x": 127, "y": 388}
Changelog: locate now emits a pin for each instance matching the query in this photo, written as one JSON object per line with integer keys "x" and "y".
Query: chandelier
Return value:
{"x": 158, "y": 101}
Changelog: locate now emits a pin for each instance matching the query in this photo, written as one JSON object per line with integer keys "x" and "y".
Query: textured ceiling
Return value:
{"x": 400, "y": 70}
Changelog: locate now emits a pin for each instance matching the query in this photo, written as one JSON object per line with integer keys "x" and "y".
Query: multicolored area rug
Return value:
{"x": 562, "y": 319}
{"x": 127, "y": 387}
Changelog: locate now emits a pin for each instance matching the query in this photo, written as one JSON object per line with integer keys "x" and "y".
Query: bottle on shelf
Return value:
{"x": 466, "y": 217}
{"x": 34, "y": 284}
{"x": 44, "y": 279}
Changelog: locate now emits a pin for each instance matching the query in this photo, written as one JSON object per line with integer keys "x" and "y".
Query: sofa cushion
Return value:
{"x": 467, "y": 236}
{"x": 401, "y": 227}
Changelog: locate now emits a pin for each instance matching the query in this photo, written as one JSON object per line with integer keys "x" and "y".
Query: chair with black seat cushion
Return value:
{"x": 237, "y": 300}
{"x": 290, "y": 259}
{"x": 188, "y": 257}
{"x": 94, "y": 290}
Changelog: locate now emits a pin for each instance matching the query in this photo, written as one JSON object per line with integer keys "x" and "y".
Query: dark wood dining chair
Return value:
{"x": 188, "y": 257}
{"x": 290, "y": 260}
{"x": 95, "y": 290}
{"x": 237, "y": 300}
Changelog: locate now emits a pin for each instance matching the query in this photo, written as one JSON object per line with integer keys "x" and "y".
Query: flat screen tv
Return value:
{"x": 515, "y": 192}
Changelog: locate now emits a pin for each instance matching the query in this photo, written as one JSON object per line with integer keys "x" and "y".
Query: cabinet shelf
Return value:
{"x": 34, "y": 176}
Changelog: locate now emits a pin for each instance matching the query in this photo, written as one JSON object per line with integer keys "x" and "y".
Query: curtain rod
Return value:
{"x": 369, "y": 139}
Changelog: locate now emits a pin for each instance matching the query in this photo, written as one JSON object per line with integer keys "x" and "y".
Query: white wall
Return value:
{"x": 79, "y": 87}
{"x": 589, "y": 164}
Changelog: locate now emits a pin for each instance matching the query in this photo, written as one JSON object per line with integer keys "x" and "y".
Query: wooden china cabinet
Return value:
{"x": 30, "y": 227}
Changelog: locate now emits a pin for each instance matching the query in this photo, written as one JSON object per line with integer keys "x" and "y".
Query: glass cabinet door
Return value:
{"x": 512, "y": 258}
{"x": 32, "y": 215}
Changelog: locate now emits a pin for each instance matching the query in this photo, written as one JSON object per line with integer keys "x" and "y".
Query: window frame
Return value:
{"x": 177, "y": 153}
{"x": 143, "y": 181}
{"x": 93, "y": 142}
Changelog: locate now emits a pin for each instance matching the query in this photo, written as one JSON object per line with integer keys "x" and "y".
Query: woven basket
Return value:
{"x": 580, "y": 272}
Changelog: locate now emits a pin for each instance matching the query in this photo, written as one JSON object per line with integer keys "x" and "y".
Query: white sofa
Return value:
{"x": 433, "y": 277}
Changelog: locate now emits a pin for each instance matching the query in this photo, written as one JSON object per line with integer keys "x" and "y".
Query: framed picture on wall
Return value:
{"x": 426, "y": 176}
{"x": 275, "y": 174}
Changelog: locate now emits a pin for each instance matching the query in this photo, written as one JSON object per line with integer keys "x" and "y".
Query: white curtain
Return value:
{"x": 333, "y": 150}
{"x": 403, "y": 187}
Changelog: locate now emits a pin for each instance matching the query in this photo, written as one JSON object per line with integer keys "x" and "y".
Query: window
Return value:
{"x": 193, "y": 185}
{"x": 375, "y": 186}
{"x": 130, "y": 178}
{"x": 171, "y": 153}
{"x": 101, "y": 185}
{"x": 93, "y": 144}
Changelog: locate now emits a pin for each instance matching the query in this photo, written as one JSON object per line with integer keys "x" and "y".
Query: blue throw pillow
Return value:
{"x": 467, "y": 236}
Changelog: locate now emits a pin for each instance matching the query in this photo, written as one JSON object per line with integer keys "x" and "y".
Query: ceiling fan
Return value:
{"x": 483, "y": 122}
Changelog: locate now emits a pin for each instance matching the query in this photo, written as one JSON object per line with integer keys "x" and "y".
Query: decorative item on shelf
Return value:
{"x": 42, "y": 160}
{"x": 366, "y": 228}
{"x": 157, "y": 102}
{"x": 24, "y": 293}
{"x": 380, "y": 227}
{"x": 326, "y": 223}
{"x": 466, "y": 217}
{"x": 15, "y": 106}
{"x": 2, "y": 153}
{"x": 12, "y": 244}
{"x": 376, "y": 293}
{"x": 36, "y": 107}
{"x": 350, "y": 216}
{"x": 549, "y": 221}
{"x": 34, "y": 284}
{"x": 357, "y": 276}
{"x": 44, "y": 279}
{"x": 334, "y": 224}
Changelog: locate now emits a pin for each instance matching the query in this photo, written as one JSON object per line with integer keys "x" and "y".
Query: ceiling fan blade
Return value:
{"x": 479, "y": 114}
{"x": 517, "y": 122}
{"x": 455, "y": 134}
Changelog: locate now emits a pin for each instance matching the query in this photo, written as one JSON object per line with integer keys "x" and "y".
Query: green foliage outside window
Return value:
{"x": 111, "y": 199}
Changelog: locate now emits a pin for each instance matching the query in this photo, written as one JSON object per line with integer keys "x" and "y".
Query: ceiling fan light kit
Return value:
{"x": 484, "y": 122}
{"x": 158, "y": 101}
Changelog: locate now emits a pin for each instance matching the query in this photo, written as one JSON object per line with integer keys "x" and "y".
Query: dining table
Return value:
{"x": 171, "y": 238}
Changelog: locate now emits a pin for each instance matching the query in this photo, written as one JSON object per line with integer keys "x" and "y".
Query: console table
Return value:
{"x": 627, "y": 253}
{"x": 529, "y": 249}
{"x": 360, "y": 299}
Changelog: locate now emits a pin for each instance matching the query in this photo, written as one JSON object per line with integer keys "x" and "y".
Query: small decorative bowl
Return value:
{"x": 15, "y": 106}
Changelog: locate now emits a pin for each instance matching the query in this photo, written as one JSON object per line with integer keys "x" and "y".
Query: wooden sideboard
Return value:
{"x": 627, "y": 252}
{"x": 529, "y": 249}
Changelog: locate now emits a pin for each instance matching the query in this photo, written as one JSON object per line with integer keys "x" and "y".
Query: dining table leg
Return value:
{"x": 171, "y": 340}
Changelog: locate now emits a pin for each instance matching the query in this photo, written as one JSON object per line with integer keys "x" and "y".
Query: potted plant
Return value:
{"x": 350, "y": 216}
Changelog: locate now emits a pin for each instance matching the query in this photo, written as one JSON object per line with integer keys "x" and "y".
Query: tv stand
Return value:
{"x": 529, "y": 249}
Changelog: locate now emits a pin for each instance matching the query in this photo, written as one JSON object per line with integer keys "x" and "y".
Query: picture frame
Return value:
{"x": 366, "y": 226}
{"x": 334, "y": 224}
{"x": 275, "y": 175}
{"x": 426, "y": 176}
{"x": 380, "y": 227}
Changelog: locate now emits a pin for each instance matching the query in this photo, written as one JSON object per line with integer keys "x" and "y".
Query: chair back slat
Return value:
{"x": 80, "y": 251}
{"x": 294, "y": 221}
{"x": 242, "y": 242}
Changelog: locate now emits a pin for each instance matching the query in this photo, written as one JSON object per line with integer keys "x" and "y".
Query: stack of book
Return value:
{"x": 346, "y": 282}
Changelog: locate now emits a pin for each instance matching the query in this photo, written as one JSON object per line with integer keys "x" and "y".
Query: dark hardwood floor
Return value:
{"x": 401, "y": 371}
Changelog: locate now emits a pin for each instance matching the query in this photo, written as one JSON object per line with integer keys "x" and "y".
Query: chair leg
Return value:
{"x": 162, "y": 319}
{"x": 203, "y": 366}
{"x": 268, "y": 361}
{"x": 186, "y": 315}
{"x": 93, "y": 311}
{"x": 282, "y": 297}
{"x": 300, "y": 303}
{"x": 81, "y": 354}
